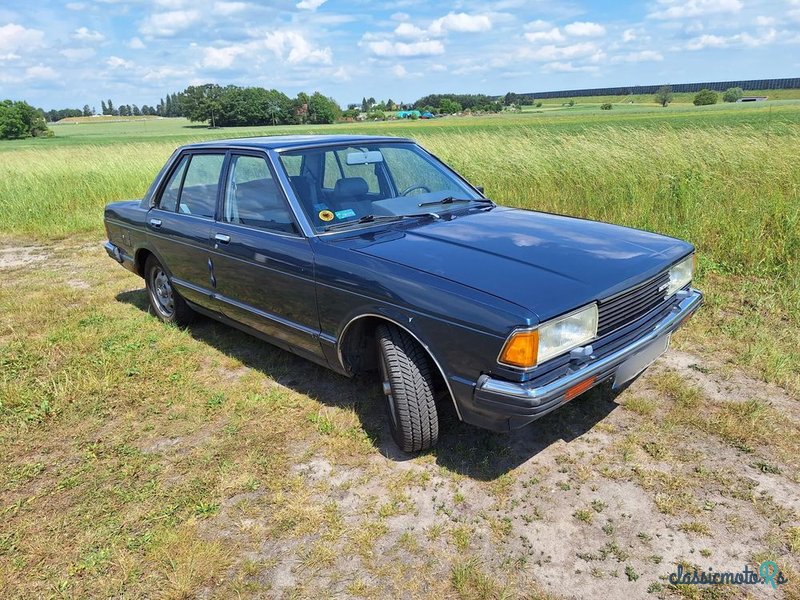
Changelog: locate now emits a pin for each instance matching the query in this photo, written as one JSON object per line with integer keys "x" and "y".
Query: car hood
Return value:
{"x": 546, "y": 263}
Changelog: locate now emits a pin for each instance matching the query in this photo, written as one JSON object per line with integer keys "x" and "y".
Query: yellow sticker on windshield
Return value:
{"x": 326, "y": 215}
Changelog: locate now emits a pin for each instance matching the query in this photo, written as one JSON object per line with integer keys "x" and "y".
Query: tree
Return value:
{"x": 449, "y": 107}
{"x": 201, "y": 102}
{"x": 664, "y": 95}
{"x": 104, "y": 107}
{"x": 705, "y": 97}
{"x": 364, "y": 104}
{"x": 87, "y": 112}
{"x": 136, "y": 111}
{"x": 390, "y": 105}
{"x": 322, "y": 109}
{"x": 111, "y": 110}
{"x": 733, "y": 94}
{"x": 20, "y": 120}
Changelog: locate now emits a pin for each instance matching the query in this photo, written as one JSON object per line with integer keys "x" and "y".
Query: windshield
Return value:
{"x": 337, "y": 185}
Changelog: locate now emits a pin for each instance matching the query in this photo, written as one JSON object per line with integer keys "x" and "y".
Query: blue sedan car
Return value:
{"x": 369, "y": 254}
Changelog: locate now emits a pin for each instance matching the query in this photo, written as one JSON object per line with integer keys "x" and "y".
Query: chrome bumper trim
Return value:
{"x": 528, "y": 396}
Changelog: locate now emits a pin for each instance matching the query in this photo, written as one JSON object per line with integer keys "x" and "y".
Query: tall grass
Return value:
{"x": 734, "y": 192}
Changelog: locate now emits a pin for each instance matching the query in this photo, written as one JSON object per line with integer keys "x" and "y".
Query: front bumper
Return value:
{"x": 521, "y": 403}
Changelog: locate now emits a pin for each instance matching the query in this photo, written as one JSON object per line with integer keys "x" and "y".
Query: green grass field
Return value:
{"x": 148, "y": 461}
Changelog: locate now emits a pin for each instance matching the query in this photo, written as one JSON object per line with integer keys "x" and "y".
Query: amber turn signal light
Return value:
{"x": 579, "y": 388}
{"x": 521, "y": 349}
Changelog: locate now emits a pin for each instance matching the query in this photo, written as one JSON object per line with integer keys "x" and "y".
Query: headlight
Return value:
{"x": 680, "y": 275}
{"x": 527, "y": 348}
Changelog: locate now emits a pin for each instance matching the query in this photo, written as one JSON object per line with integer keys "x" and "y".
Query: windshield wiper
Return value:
{"x": 453, "y": 199}
{"x": 378, "y": 218}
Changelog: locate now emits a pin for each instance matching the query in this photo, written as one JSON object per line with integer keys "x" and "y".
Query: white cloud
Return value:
{"x": 553, "y": 53}
{"x": 40, "y": 72}
{"x": 399, "y": 71}
{"x": 407, "y": 30}
{"x": 553, "y": 35}
{"x": 461, "y": 22}
{"x": 568, "y": 67}
{"x": 87, "y": 35}
{"x": 743, "y": 39}
{"x": 585, "y": 29}
{"x": 115, "y": 62}
{"x": 169, "y": 23}
{"x": 15, "y": 37}
{"x": 228, "y": 8}
{"x": 538, "y": 25}
{"x": 402, "y": 49}
{"x": 77, "y": 5}
{"x": 221, "y": 58}
{"x": 77, "y": 53}
{"x": 310, "y": 4}
{"x": 295, "y": 48}
{"x": 629, "y": 35}
{"x": 9, "y": 56}
{"x": 642, "y": 56}
{"x": 762, "y": 21}
{"x": 400, "y": 16}
{"x": 162, "y": 73}
{"x": 136, "y": 44}
{"x": 682, "y": 9}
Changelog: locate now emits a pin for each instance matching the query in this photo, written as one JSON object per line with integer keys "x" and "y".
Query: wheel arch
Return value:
{"x": 357, "y": 340}
{"x": 140, "y": 260}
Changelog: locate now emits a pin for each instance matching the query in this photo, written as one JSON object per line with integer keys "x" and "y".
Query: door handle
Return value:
{"x": 155, "y": 222}
{"x": 222, "y": 238}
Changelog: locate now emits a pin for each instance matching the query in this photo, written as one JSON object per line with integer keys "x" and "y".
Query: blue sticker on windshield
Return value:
{"x": 343, "y": 214}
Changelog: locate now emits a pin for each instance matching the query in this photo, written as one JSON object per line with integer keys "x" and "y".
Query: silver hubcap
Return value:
{"x": 161, "y": 292}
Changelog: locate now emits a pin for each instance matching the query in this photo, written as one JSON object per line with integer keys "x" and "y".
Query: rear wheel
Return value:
{"x": 165, "y": 302}
{"x": 408, "y": 385}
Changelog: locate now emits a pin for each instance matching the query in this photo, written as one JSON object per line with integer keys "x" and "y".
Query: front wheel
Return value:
{"x": 408, "y": 385}
{"x": 165, "y": 302}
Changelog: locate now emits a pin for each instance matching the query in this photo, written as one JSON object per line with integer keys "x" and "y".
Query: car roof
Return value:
{"x": 281, "y": 142}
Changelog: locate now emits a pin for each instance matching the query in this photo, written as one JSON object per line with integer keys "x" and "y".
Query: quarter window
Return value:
{"x": 169, "y": 197}
{"x": 200, "y": 186}
{"x": 252, "y": 197}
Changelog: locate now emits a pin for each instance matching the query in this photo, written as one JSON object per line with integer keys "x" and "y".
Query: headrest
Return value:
{"x": 351, "y": 186}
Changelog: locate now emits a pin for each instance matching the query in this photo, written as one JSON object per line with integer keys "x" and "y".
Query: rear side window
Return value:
{"x": 200, "y": 186}
{"x": 169, "y": 197}
{"x": 252, "y": 197}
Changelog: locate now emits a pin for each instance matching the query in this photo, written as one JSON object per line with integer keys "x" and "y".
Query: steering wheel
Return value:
{"x": 415, "y": 187}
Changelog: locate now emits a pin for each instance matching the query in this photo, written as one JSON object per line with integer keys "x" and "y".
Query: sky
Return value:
{"x": 67, "y": 54}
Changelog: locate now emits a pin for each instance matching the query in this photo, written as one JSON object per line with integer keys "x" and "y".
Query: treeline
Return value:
{"x": 453, "y": 103}
{"x": 238, "y": 106}
{"x": 169, "y": 107}
{"x": 21, "y": 120}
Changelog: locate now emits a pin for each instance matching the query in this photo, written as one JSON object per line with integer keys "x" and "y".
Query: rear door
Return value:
{"x": 179, "y": 225}
{"x": 263, "y": 265}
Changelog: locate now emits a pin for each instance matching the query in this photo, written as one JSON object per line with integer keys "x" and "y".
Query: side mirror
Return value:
{"x": 479, "y": 188}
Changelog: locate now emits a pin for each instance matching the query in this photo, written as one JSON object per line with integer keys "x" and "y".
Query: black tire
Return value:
{"x": 165, "y": 302}
{"x": 408, "y": 385}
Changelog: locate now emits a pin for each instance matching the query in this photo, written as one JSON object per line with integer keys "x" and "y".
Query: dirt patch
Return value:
{"x": 18, "y": 257}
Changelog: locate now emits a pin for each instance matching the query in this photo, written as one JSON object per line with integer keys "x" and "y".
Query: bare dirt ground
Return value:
{"x": 692, "y": 466}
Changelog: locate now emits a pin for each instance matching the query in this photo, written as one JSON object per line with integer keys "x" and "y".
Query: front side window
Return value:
{"x": 198, "y": 195}
{"x": 252, "y": 197}
{"x": 348, "y": 184}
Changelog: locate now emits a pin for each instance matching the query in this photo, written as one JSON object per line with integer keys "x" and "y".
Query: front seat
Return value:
{"x": 351, "y": 192}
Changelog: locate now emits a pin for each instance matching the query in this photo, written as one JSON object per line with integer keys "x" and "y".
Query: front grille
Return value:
{"x": 631, "y": 304}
